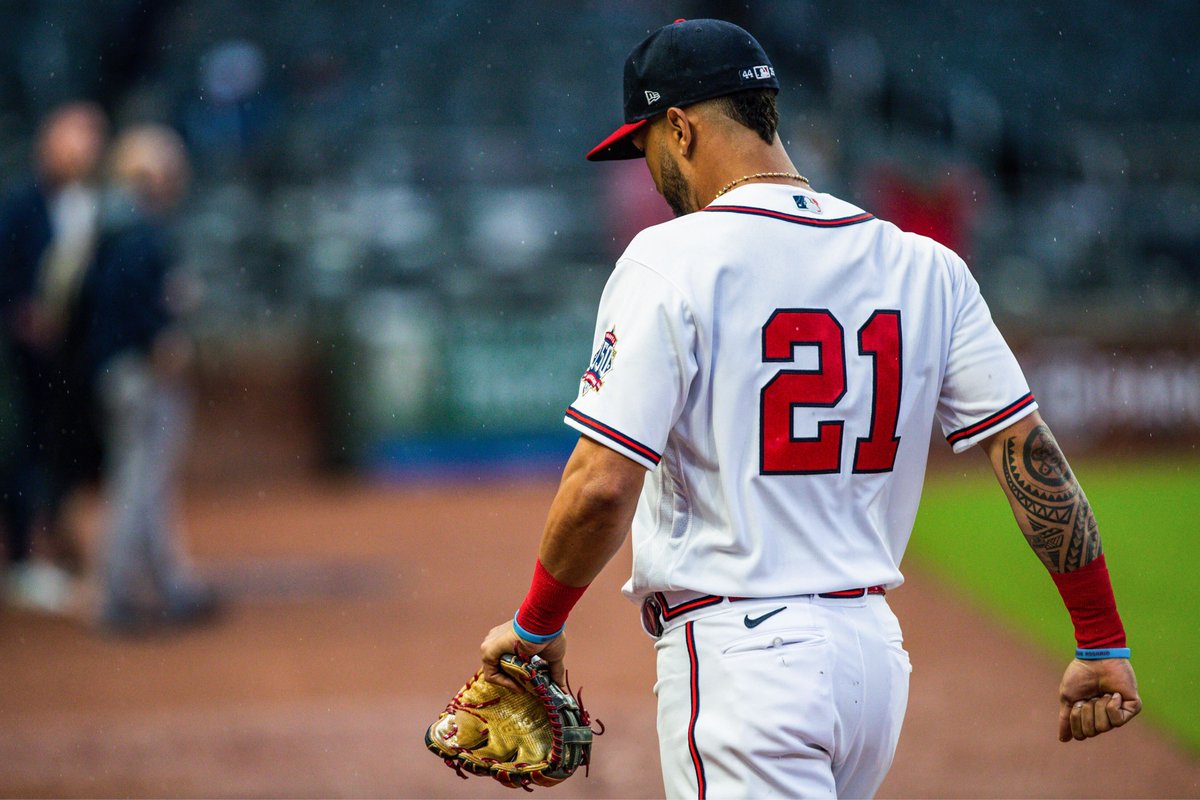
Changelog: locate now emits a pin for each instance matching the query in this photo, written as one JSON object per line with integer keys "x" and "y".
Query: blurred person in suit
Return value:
{"x": 47, "y": 239}
{"x": 137, "y": 356}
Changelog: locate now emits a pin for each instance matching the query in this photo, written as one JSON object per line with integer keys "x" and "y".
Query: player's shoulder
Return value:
{"x": 904, "y": 250}
{"x": 918, "y": 250}
{"x": 662, "y": 248}
{"x": 651, "y": 245}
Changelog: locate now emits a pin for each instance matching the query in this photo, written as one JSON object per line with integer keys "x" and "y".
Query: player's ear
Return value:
{"x": 680, "y": 133}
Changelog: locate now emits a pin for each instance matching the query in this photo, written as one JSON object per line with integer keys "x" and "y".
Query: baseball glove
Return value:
{"x": 537, "y": 736}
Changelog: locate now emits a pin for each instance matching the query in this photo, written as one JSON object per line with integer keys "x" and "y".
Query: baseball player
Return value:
{"x": 767, "y": 369}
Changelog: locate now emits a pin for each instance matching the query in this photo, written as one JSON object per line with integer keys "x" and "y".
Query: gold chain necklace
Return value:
{"x": 757, "y": 175}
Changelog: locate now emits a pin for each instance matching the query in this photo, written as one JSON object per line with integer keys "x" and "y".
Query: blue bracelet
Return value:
{"x": 1097, "y": 653}
{"x": 534, "y": 638}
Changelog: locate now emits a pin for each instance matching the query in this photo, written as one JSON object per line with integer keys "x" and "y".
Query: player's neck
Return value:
{"x": 741, "y": 166}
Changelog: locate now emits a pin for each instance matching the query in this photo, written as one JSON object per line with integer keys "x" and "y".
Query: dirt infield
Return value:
{"x": 356, "y": 612}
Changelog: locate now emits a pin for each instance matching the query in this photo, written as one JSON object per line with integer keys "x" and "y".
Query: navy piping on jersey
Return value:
{"x": 841, "y": 222}
{"x": 629, "y": 443}
{"x": 991, "y": 421}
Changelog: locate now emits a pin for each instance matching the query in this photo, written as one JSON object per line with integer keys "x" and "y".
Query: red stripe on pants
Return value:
{"x": 690, "y": 636}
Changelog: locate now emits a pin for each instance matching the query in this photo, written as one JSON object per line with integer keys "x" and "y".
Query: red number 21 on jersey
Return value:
{"x": 782, "y": 453}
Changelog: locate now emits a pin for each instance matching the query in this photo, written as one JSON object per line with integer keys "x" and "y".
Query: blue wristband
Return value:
{"x": 1097, "y": 653}
{"x": 534, "y": 638}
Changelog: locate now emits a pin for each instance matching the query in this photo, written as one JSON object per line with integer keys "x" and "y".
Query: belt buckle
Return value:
{"x": 652, "y": 616}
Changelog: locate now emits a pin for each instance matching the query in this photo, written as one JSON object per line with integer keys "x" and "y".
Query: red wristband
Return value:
{"x": 548, "y": 603}
{"x": 1088, "y": 595}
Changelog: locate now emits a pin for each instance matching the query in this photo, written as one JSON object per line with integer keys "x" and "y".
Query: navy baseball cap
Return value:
{"x": 681, "y": 64}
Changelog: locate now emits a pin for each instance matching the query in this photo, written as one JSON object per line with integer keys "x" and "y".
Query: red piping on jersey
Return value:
{"x": 694, "y": 664}
{"x": 993, "y": 420}
{"x": 816, "y": 223}
{"x": 611, "y": 433}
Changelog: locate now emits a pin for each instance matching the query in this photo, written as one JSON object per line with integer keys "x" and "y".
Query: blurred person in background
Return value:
{"x": 137, "y": 357}
{"x": 48, "y": 234}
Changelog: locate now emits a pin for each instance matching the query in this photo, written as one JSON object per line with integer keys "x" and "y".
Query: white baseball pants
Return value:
{"x": 806, "y": 702}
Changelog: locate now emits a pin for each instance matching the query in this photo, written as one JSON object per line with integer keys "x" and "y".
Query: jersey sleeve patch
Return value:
{"x": 963, "y": 438}
{"x": 602, "y": 362}
{"x": 611, "y": 437}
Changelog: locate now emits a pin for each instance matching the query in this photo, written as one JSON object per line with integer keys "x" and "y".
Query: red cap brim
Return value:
{"x": 618, "y": 146}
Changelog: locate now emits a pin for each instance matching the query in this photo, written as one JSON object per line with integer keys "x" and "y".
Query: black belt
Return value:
{"x": 656, "y": 611}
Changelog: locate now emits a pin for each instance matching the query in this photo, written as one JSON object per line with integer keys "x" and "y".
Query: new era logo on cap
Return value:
{"x": 652, "y": 97}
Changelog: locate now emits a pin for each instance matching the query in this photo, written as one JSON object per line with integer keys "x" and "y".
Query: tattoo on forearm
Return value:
{"x": 1059, "y": 523}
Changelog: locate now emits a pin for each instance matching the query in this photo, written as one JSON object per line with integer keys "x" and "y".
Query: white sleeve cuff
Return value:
{"x": 965, "y": 438}
{"x": 612, "y": 438}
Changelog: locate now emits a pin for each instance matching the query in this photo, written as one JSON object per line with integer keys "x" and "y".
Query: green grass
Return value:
{"x": 1149, "y": 517}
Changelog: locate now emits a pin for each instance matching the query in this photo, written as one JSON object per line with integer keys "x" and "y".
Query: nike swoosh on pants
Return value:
{"x": 753, "y": 623}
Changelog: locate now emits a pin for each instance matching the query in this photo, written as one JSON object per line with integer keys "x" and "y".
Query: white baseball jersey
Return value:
{"x": 776, "y": 361}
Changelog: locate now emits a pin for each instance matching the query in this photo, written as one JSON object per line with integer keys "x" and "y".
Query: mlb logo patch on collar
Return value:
{"x": 806, "y": 203}
{"x": 602, "y": 363}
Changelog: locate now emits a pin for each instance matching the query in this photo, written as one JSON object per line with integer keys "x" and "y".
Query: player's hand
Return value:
{"x": 1095, "y": 697}
{"x": 503, "y": 639}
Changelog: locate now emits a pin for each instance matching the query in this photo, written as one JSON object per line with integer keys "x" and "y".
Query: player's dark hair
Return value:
{"x": 754, "y": 109}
